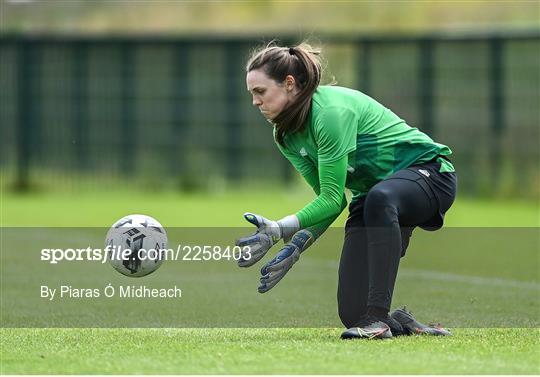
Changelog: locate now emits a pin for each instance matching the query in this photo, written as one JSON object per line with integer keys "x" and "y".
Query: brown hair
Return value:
{"x": 303, "y": 62}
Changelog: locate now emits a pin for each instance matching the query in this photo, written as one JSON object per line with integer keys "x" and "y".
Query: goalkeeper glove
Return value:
{"x": 278, "y": 267}
{"x": 267, "y": 235}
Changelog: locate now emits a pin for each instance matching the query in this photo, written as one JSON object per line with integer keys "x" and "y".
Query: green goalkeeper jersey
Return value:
{"x": 350, "y": 140}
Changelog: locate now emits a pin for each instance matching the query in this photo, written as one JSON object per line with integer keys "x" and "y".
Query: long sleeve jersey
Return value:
{"x": 352, "y": 141}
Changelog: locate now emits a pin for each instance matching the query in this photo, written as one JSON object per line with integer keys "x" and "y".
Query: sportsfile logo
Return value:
{"x": 117, "y": 253}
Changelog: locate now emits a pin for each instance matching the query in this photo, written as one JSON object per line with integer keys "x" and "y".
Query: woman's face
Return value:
{"x": 268, "y": 95}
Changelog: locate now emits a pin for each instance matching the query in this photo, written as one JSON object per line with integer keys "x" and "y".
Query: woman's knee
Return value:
{"x": 380, "y": 207}
{"x": 380, "y": 195}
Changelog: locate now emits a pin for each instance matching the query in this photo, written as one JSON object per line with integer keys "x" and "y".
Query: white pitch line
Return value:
{"x": 476, "y": 280}
{"x": 446, "y": 277}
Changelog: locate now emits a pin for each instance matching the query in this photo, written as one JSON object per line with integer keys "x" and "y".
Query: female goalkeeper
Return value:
{"x": 340, "y": 138}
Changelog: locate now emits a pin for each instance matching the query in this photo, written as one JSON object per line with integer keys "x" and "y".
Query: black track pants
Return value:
{"x": 378, "y": 230}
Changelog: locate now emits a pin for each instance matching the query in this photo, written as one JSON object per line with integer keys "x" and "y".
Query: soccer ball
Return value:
{"x": 135, "y": 245}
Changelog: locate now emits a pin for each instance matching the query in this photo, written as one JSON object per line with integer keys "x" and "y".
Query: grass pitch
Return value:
{"x": 264, "y": 351}
{"x": 475, "y": 289}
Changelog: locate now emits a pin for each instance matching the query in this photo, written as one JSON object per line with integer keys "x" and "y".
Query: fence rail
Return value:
{"x": 175, "y": 109}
